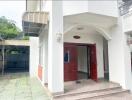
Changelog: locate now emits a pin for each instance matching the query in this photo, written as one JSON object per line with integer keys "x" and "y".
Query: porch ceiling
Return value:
{"x": 89, "y": 22}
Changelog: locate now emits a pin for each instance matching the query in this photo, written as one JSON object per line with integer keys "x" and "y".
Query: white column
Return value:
{"x": 34, "y": 56}
{"x": 45, "y": 57}
{"x": 55, "y": 49}
{"x": 119, "y": 57}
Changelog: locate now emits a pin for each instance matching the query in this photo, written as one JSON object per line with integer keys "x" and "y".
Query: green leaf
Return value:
{"x": 8, "y": 28}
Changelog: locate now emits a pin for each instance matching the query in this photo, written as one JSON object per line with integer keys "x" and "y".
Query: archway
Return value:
{"x": 89, "y": 35}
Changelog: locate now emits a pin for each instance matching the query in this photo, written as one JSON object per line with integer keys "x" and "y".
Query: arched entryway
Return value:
{"x": 85, "y": 53}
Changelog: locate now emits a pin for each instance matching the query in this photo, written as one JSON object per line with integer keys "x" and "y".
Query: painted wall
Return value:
{"x": 46, "y": 5}
{"x": 32, "y": 5}
{"x": 127, "y": 23}
{"x": 34, "y": 56}
{"x": 74, "y": 7}
{"x": 98, "y": 6}
{"x": 116, "y": 57}
{"x": 82, "y": 58}
{"x": 94, "y": 6}
{"x": 90, "y": 39}
{"x": 119, "y": 57}
{"x": 43, "y": 40}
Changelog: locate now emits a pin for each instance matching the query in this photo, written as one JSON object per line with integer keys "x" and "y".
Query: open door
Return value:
{"x": 70, "y": 62}
{"x": 93, "y": 63}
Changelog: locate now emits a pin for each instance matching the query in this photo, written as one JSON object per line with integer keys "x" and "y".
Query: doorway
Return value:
{"x": 80, "y": 61}
{"x": 83, "y": 62}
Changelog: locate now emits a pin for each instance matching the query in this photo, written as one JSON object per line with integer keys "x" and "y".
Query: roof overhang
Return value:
{"x": 15, "y": 43}
{"x": 33, "y": 21}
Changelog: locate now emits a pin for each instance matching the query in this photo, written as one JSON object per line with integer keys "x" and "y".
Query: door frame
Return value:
{"x": 87, "y": 46}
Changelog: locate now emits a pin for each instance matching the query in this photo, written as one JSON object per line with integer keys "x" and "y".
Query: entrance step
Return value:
{"x": 95, "y": 94}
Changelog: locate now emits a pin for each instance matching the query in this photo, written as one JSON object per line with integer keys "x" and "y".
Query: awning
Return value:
{"x": 33, "y": 21}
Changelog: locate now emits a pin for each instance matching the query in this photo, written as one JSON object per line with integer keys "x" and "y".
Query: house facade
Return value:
{"x": 80, "y": 40}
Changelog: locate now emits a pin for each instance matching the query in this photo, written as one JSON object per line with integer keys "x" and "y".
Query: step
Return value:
{"x": 88, "y": 91}
{"x": 100, "y": 95}
{"x": 92, "y": 95}
{"x": 119, "y": 96}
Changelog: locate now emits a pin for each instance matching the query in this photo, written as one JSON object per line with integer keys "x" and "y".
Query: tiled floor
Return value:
{"x": 81, "y": 91}
{"x": 87, "y": 85}
{"x": 123, "y": 96}
{"x": 18, "y": 86}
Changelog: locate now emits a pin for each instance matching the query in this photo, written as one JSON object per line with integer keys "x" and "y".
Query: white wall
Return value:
{"x": 74, "y": 6}
{"x": 127, "y": 23}
{"x": 90, "y": 39}
{"x": 103, "y": 7}
{"x": 128, "y": 70}
{"x": 116, "y": 57}
{"x": 32, "y": 5}
{"x": 82, "y": 58}
{"x": 43, "y": 41}
{"x": 94, "y": 6}
{"x": 46, "y": 5}
{"x": 34, "y": 56}
{"x": 119, "y": 57}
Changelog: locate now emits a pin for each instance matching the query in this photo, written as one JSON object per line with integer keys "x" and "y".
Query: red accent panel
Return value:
{"x": 40, "y": 72}
{"x": 93, "y": 63}
{"x": 70, "y": 68}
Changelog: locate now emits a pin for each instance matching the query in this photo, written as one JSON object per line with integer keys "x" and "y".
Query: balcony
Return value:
{"x": 32, "y": 22}
{"x": 125, "y": 7}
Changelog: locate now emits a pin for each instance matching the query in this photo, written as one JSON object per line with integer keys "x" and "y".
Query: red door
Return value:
{"x": 93, "y": 63}
{"x": 70, "y": 62}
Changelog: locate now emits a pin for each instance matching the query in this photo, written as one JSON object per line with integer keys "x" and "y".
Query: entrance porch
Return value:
{"x": 89, "y": 89}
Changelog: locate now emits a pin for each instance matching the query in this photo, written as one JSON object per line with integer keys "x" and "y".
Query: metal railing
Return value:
{"x": 125, "y": 7}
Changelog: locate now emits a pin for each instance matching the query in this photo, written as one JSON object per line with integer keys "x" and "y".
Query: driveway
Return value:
{"x": 18, "y": 86}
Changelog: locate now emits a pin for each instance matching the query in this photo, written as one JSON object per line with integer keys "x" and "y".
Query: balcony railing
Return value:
{"x": 125, "y": 7}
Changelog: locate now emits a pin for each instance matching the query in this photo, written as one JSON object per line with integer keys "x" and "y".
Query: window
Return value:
{"x": 66, "y": 57}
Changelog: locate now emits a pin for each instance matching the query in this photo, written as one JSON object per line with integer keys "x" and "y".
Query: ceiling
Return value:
{"x": 88, "y": 22}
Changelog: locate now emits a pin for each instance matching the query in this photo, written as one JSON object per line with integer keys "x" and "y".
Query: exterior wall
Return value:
{"x": 94, "y": 6}
{"x": 46, "y": 5}
{"x": 82, "y": 59}
{"x": 43, "y": 40}
{"x": 119, "y": 57}
{"x": 34, "y": 56}
{"x": 116, "y": 57}
{"x": 128, "y": 70}
{"x": 127, "y": 22}
{"x": 32, "y": 5}
{"x": 90, "y": 39}
{"x": 98, "y": 6}
{"x": 74, "y": 7}
{"x": 127, "y": 29}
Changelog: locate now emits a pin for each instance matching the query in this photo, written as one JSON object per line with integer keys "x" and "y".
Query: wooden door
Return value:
{"x": 93, "y": 63}
{"x": 70, "y": 62}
